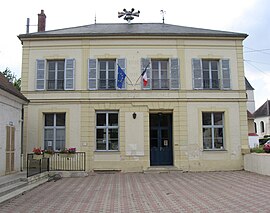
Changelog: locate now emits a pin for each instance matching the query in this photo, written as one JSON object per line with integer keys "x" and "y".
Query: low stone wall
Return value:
{"x": 258, "y": 163}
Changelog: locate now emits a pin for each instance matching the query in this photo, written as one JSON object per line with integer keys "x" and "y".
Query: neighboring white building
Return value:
{"x": 11, "y": 104}
{"x": 262, "y": 119}
{"x": 253, "y": 138}
{"x": 250, "y": 97}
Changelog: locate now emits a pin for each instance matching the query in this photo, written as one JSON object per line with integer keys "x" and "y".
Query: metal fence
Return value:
{"x": 37, "y": 164}
{"x": 67, "y": 162}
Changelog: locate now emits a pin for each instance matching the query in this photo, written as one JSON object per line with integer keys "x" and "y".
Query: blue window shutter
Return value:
{"x": 122, "y": 63}
{"x": 40, "y": 74}
{"x": 69, "y": 74}
{"x": 226, "y": 79}
{"x": 174, "y": 78}
{"x": 144, "y": 63}
{"x": 92, "y": 74}
{"x": 197, "y": 74}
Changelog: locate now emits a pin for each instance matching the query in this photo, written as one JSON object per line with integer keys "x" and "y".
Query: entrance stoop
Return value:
{"x": 162, "y": 169}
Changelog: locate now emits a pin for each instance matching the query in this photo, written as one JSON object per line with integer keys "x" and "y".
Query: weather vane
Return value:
{"x": 163, "y": 12}
{"x": 128, "y": 15}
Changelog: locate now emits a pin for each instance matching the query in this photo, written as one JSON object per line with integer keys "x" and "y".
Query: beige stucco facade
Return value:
{"x": 186, "y": 104}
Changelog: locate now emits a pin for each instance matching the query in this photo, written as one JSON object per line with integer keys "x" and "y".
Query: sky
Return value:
{"x": 243, "y": 16}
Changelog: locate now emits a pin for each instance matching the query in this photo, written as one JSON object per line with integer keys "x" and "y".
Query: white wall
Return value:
{"x": 266, "y": 121}
{"x": 10, "y": 113}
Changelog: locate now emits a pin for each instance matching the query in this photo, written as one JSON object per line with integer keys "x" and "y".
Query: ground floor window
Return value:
{"x": 213, "y": 130}
{"x": 54, "y": 131}
{"x": 107, "y": 131}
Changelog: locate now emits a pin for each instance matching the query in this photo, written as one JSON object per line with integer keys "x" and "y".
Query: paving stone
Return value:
{"x": 237, "y": 191}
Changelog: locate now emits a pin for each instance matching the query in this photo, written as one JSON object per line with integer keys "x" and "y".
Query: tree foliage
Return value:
{"x": 12, "y": 78}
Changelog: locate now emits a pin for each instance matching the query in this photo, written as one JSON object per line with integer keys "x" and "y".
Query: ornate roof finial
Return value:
{"x": 128, "y": 15}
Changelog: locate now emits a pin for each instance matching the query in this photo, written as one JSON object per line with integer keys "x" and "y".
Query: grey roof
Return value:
{"x": 8, "y": 87}
{"x": 248, "y": 85}
{"x": 264, "y": 110}
{"x": 133, "y": 29}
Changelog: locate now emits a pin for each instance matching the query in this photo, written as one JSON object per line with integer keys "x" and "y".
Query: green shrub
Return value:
{"x": 258, "y": 149}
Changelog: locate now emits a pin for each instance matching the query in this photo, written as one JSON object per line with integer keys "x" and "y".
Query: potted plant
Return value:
{"x": 68, "y": 152}
{"x": 38, "y": 153}
{"x": 48, "y": 153}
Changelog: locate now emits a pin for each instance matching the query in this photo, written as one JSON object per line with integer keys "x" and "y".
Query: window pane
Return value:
{"x": 51, "y": 75}
{"x": 113, "y": 119}
{"x": 102, "y": 65}
{"x": 207, "y": 138}
{"x": 60, "y": 75}
{"x": 51, "y": 65}
{"x": 155, "y": 65}
{"x": 206, "y": 118}
{"x": 101, "y": 119}
{"x": 60, "y": 65}
{"x": 205, "y": 64}
{"x": 60, "y": 119}
{"x": 218, "y": 118}
{"x": 218, "y": 138}
{"x": 48, "y": 139}
{"x": 49, "y": 119}
{"x": 164, "y": 65}
{"x": 214, "y": 65}
{"x": 60, "y": 139}
{"x": 113, "y": 139}
{"x": 102, "y": 75}
{"x": 101, "y": 139}
{"x": 111, "y": 65}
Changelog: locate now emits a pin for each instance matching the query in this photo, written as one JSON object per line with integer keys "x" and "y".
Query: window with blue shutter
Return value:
{"x": 92, "y": 74}
{"x": 69, "y": 74}
{"x": 122, "y": 63}
{"x": 226, "y": 80}
{"x": 40, "y": 74}
{"x": 197, "y": 74}
{"x": 174, "y": 78}
{"x": 55, "y": 74}
{"x": 211, "y": 74}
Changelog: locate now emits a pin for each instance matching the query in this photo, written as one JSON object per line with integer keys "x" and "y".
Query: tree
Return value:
{"x": 12, "y": 78}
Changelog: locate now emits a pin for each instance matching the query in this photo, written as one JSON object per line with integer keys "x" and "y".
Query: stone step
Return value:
{"x": 22, "y": 190}
{"x": 162, "y": 169}
{"x": 12, "y": 186}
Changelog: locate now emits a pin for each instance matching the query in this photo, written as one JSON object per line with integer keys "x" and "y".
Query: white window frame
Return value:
{"x": 210, "y": 73}
{"x": 107, "y": 127}
{"x": 107, "y": 74}
{"x": 54, "y": 128}
{"x": 213, "y": 127}
{"x": 56, "y": 70}
{"x": 159, "y": 61}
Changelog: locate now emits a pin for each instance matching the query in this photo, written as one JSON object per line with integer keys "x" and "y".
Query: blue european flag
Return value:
{"x": 121, "y": 77}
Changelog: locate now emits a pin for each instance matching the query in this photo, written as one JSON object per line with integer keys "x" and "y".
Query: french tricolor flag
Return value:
{"x": 144, "y": 76}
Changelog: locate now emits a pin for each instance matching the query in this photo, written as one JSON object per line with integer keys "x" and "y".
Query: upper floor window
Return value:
{"x": 211, "y": 74}
{"x": 102, "y": 73}
{"x": 55, "y": 74}
{"x": 56, "y": 70}
{"x": 107, "y": 72}
{"x": 161, "y": 73}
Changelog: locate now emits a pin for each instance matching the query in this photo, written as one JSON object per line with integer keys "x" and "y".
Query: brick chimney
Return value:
{"x": 41, "y": 21}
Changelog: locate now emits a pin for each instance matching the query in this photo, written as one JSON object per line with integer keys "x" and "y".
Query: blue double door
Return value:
{"x": 161, "y": 149}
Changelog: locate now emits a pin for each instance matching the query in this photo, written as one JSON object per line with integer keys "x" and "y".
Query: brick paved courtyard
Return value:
{"x": 238, "y": 191}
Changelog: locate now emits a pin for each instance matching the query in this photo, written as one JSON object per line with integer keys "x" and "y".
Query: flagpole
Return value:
{"x": 127, "y": 76}
{"x": 141, "y": 73}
